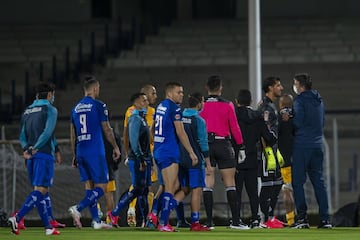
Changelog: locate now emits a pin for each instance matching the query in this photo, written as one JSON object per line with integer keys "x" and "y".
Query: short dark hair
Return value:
{"x": 214, "y": 83}
{"x": 194, "y": 99}
{"x": 89, "y": 80}
{"x": 170, "y": 85}
{"x": 304, "y": 80}
{"x": 43, "y": 88}
{"x": 136, "y": 96}
{"x": 268, "y": 82}
{"x": 244, "y": 97}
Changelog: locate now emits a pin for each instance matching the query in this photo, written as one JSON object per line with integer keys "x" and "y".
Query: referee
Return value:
{"x": 222, "y": 126}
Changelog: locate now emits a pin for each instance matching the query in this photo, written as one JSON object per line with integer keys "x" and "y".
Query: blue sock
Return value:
{"x": 42, "y": 210}
{"x": 180, "y": 212}
{"x": 157, "y": 204}
{"x": 195, "y": 217}
{"x": 91, "y": 196}
{"x": 125, "y": 200}
{"x": 29, "y": 204}
{"x": 168, "y": 204}
{"x": 94, "y": 212}
{"x": 49, "y": 206}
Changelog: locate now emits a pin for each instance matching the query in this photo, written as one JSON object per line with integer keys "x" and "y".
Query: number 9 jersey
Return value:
{"x": 87, "y": 116}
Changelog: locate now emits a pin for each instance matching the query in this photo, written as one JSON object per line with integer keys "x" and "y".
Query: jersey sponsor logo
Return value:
{"x": 161, "y": 109}
{"x": 84, "y": 137}
{"x": 32, "y": 110}
{"x": 81, "y": 107}
{"x": 186, "y": 120}
{"x": 106, "y": 112}
{"x": 159, "y": 139}
{"x": 177, "y": 116}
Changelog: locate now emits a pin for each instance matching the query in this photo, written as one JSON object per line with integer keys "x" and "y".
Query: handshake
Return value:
{"x": 241, "y": 154}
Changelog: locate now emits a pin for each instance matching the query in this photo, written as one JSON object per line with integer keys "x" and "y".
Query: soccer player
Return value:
{"x": 192, "y": 178}
{"x": 168, "y": 131}
{"x": 89, "y": 119}
{"x": 253, "y": 128}
{"x": 286, "y": 141}
{"x": 139, "y": 155}
{"x": 271, "y": 180}
{"x": 150, "y": 92}
{"x": 37, "y": 140}
{"x": 222, "y": 126}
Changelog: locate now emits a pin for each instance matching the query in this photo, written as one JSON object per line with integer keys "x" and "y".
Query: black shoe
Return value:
{"x": 301, "y": 223}
{"x": 183, "y": 224}
{"x": 210, "y": 225}
{"x": 325, "y": 224}
{"x": 255, "y": 223}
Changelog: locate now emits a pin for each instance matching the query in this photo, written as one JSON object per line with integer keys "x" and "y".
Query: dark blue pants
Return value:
{"x": 309, "y": 161}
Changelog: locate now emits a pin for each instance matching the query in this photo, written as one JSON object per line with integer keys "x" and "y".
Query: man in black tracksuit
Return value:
{"x": 253, "y": 128}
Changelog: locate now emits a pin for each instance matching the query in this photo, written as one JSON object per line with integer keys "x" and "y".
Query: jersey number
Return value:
{"x": 82, "y": 120}
{"x": 158, "y": 125}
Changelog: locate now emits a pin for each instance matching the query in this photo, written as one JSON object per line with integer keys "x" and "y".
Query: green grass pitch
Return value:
{"x": 220, "y": 233}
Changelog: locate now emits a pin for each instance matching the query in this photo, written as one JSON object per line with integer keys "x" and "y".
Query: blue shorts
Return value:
{"x": 139, "y": 178}
{"x": 93, "y": 168}
{"x": 41, "y": 169}
{"x": 192, "y": 177}
{"x": 165, "y": 162}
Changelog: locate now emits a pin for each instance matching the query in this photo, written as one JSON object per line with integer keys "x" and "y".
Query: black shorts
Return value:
{"x": 222, "y": 154}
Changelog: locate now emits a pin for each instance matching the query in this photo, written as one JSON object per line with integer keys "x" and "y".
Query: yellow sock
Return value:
{"x": 150, "y": 200}
{"x": 290, "y": 217}
{"x": 133, "y": 202}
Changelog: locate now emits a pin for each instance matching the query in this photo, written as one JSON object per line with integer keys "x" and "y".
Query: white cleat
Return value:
{"x": 76, "y": 215}
{"x": 100, "y": 225}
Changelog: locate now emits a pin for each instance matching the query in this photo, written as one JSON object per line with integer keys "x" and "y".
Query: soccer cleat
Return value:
{"x": 152, "y": 219}
{"x": 100, "y": 225}
{"x": 131, "y": 217}
{"x": 76, "y": 216}
{"x": 114, "y": 219}
{"x": 14, "y": 225}
{"x": 165, "y": 228}
{"x": 51, "y": 231}
{"x": 325, "y": 224}
{"x": 263, "y": 225}
{"x": 255, "y": 224}
{"x": 239, "y": 226}
{"x": 21, "y": 224}
{"x": 197, "y": 227}
{"x": 274, "y": 223}
{"x": 301, "y": 223}
{"x": 56, "y": 224}
{"x": 183, "y": 224}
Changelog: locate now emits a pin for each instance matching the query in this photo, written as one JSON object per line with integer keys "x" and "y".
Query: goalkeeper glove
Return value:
{"x": 270, "y": 159}
{"x": 241, "y": 154}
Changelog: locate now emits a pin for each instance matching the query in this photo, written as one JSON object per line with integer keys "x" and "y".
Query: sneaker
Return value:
{"x": 274, "y": 223}
{"x": 51, "y": 231}
{"x": 131, "y": 217}
{"x": 198, "y": 227}
{"x": 100, "y": 225}
{"x": 76, "y": 216}
{"x": 325, "y": 224}
{"x": 255, "y": 224}
{"x": 21, "y": 224}
{"x": 239, "y": 226}
{"x": 263, "y": 225}
{"x": 152, "y": 219}
{"x": 165, "y": 228}
{"x": 114, "y": 219}
{"x": 14, "y": 225}
{"x": 183, "y": 224}
{"x": 56, "y": 224}
{"x": 301, "y": 223}
{"x": 210, "y": 225}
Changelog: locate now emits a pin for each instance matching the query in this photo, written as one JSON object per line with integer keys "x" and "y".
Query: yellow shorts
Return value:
{"x": 286, "y": 174}
{"x": 111, "y": 186}
{"x": 153, "y": 176}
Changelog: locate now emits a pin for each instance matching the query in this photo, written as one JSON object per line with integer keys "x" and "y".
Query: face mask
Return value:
{"x": 52, "y": 100}
{"x": 295, "y": 90}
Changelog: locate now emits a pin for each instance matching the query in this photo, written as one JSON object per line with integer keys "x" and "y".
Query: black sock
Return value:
{"x": 208, "y": 203}
{"x": 232, "y": 201}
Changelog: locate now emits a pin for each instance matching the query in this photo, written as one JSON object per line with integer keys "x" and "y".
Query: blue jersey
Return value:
{"x": 166, "y": 142}
{"x": 38, "y": 125}
{"x": 87, "y": 116}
